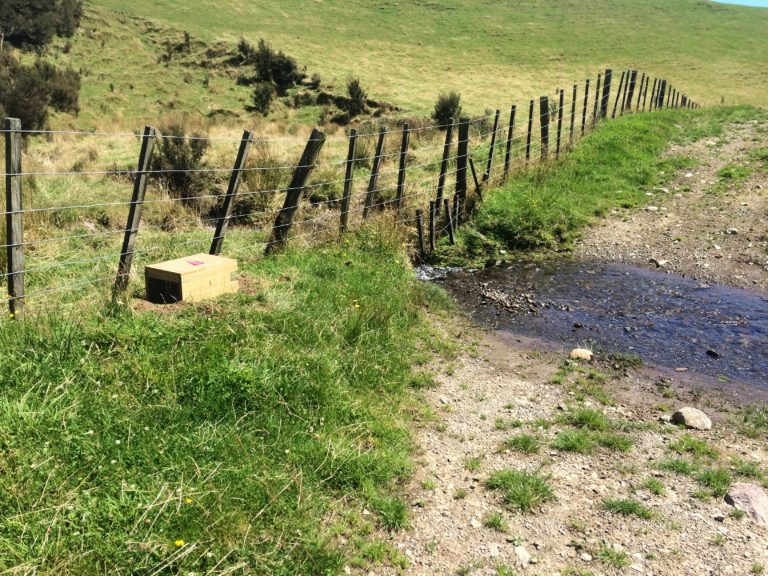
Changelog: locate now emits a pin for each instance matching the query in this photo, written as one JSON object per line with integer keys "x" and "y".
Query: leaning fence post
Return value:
{"x": 403, "y": 165}
{"x": 134, "y": 214}
{"x": 630, "y": 91}
{"x": 544, "y": 121}
{"x": 510, "y": 134}
{"x": 462, "y": 157}
{"x": 597, "y": 99}
{"x": 584, "y": 110}
{"x": 374, "y": 172}
{"x": 660, "y": 93}
{"x": 432, "y": 217}
{"x": 645, "y": 91}
{"x": 449, "y": 218}
{"x": 234, "y": 183}
{"x": 282, "y": 226}
{"x": 492, "y": 151}
{"x": 618, "y": 95}
{"x": 420, "y": 231}
{"x": 444, "y": 166}
{"x": 478, "y": 185}
{"x": 640, "y": 92}
{"x": 561, "y": 103}
{"x": 652, "y": 105}
{"x": 14, "y": 223}
{"x": 573, "y": 113}
{"x": 350, "y": 165}
{"x": 606, "y": 94}
{"x": 530, "y": 129}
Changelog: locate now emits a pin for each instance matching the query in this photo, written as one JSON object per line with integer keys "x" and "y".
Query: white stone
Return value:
{"x": 692, "y": 418}
{"x": 581, "y": 354}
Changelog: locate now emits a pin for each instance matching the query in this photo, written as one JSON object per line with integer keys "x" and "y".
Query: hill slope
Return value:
{"x": 407, "y": 52}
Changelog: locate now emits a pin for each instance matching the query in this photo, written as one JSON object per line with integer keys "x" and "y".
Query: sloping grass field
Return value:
{"x": 495, "y": 53}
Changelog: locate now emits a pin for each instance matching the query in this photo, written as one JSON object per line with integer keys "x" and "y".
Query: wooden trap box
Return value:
{"x": 191, "y": 279}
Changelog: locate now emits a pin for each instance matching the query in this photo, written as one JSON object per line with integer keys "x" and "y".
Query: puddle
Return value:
{"x": 667, "y": 320}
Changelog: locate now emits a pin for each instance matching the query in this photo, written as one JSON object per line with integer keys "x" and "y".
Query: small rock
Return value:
{"x": 689, "y": 175}
{"x": 651, "y": 208}
{"x": 475, "y": 523}
{"x": 522, "y": 555}
{"x": 493, "y": 551}
{"x": 719, "y": 517}
{"x": 732, "y": 231}
{"x": 665, "y": 418}
{"x": 751, "y": 499}
{"x": 562, "y": 407}
{"x": 681, "y": 369}
{"x": 712, "y": 353}
{"x": 692, "y": 418}
{"x": 658, "y": 263}
{"x": 586, "y": 557}
{"x": 581, "y": 354}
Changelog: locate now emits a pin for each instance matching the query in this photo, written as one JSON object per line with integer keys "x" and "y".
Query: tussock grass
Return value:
{"x": 687, "y": 444}
{"x": 628, "y": 507}
{"x": 526, "y": 443}
{"x": 522, "y": 491}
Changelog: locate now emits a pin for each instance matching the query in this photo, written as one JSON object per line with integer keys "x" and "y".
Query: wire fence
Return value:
{"x": 63, "y": 225}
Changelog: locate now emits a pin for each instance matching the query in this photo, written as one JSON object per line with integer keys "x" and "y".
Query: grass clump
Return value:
{"x": 748, "y": 469}
{"x": 687, "y": 444}
{"x": 678, "y": 466}
{"x": 615, "y": 442}
{"x": 654, "y": 486}
{"x": 612, "y": 556}
{"x": 496, "y": 521}
{"x": 587, "y": 419}
{"x": 716, "y": 480}
{"x": 526, "y": 443}
{"x": 627, "y": 507}
{"x": 505, "y": 424}
{"x": 752, "y": 421}
{"x": 579, "y": 441}
{"x": 522, "y": 491}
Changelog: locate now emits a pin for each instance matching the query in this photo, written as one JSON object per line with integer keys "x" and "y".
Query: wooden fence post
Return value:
{"x": 640, "y": 92}
{"x": 544, "y": 121}
{"x": 134, "y": 213}
{"x": 449, "y": 218}
{"x": 530, "y": 129}
{"x": 492, "y": 151}
{"x": 669, "y": 95}
{"x": 652, "y": 105}
{"x": 462, "y": 157}
{"x": 234, "y": 183}
{"x": 597, "y": 99}
{"x": 432, "y": 218}
{"x": 561, "y": 104}
{"x": 573, "y": 113}
{"x": 403, "y": 165}
{"x": 584, "y": 110}
{"x": 348, "y": 180}
{"x": 14, "y": 213}
{"x": 645, "y": 91}
{"x": 606, "y": 94}
{"x": 618, "y": 95}
{"x": 510, "y": 135}
{"x": 631, "y": 91}
{"x": 444, "y": 166}
{"x": 374, "y": 172}
{"x": 284, "y": 220}
{"x": 420, "y": 231}
{"x": 660, "y": 94}
{"x": 478, "y": 184}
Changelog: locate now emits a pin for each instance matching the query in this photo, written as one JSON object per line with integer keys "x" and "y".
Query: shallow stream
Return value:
{"x": 667, "y": 320}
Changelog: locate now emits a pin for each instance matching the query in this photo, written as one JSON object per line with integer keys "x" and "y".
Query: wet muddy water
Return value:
{"x": 667, "y": 320}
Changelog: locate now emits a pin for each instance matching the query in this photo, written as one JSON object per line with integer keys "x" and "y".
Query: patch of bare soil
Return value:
{"x": 709, "y": 223}
{"x": 502, "y": 392}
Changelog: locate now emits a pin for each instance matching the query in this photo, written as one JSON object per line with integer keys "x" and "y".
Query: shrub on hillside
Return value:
{"x": 276, "y": 67}
{"x": 180, "y": 158}
{"x": 27, "y": 92}
{"x": 263, "y": 94}
{"x": 357, "y": 97}
{"x": 447, "y": 107}
{"x": 34, "y": 23}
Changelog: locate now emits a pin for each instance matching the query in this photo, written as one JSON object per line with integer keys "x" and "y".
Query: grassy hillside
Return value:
{"x": 407, "y": 52}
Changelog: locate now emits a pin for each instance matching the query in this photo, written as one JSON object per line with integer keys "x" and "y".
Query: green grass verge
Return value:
{"x": 200, "y": 438}
{"x": 612, "y": 168}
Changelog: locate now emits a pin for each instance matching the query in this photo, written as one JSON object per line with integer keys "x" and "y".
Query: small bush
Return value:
{"x": 275, "y": 67}
{"x": 357, "y": 97}
{"x": 447, "y": 107}
{"x": 315, "y": 81}
{"x": 263, "y": 94}
{"x": 34, "y": 23}
{"x": 717, "y": 480}
{"x": 180, "y": 157}
{"x": 522, "y": 491}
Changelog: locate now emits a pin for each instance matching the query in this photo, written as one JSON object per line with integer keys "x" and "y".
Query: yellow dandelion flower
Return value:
{"x": 179, "y": 543}
{"x": 188, "y": 500}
